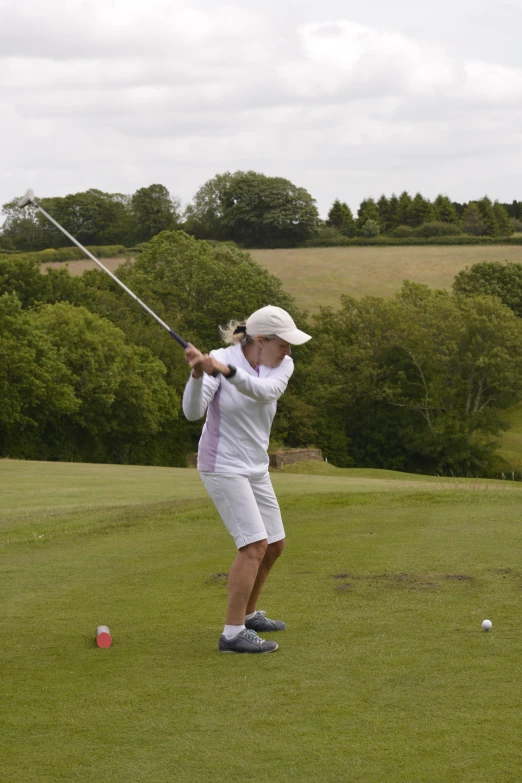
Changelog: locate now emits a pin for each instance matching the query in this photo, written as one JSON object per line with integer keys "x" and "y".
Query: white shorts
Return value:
{"x": 247, "y": 505}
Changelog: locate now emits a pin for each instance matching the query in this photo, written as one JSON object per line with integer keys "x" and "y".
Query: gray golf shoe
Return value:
{"x": 246, "y": 641}
{"x": 260, "y": 622}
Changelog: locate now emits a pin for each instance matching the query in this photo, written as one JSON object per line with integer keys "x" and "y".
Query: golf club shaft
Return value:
{"x": 116, "y": 280}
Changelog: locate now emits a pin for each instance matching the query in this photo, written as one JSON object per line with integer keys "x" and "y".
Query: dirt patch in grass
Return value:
{"x": 398, "y": 580}
{"x": 220, "y": 578}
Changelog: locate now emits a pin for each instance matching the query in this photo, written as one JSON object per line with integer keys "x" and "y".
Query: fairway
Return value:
{"x": 384, "y": 673}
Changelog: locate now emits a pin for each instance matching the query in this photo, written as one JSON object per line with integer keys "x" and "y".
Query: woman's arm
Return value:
{"x": 198, "y": 394}
{"x": 259, "y": 389}
{"x": 200, "y": 388}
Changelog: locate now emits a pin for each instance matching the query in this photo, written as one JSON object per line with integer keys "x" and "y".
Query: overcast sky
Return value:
{"x": 348, "y": 99}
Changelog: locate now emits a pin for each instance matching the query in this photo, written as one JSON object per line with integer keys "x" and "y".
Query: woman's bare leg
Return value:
{"x": 272, "y": 553}
{"x": 241, "y": 579}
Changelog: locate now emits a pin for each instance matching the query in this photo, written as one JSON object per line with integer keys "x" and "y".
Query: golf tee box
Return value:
{"x": 103, "y": 636}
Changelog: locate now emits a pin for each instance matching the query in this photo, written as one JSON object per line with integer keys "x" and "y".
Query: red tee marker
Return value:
{"x": 103, "y": 636}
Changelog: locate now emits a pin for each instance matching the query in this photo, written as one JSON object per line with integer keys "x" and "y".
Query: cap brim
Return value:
{"x": 295, "y": 337}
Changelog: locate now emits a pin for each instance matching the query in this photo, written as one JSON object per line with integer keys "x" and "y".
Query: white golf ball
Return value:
{"x": 487, "y": 624}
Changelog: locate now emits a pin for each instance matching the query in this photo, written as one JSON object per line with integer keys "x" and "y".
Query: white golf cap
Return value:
{"x": 274, "y": 320}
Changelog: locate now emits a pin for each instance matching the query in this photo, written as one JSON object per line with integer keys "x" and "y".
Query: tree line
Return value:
{"x": 405, "y": 216}
{"x": 251, "y": 210}
{"x": 416, "y": 383}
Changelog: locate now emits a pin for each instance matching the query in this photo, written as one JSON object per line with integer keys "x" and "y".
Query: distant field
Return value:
{"x": 318, "y": 276}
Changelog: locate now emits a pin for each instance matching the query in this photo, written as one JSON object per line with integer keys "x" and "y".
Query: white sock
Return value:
{"x": 233, "y": 630}
{"x": 249, "y": 616}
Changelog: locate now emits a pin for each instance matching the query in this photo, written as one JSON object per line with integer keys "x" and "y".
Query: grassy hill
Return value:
{"x": 318, "y": 276}
{"x": 384, "y": 672}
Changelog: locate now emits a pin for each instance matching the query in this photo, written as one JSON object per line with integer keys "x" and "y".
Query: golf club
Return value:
{"x": 29, "y": 199}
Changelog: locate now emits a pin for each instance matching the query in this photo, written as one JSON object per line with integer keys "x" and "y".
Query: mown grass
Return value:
{"x": 384, "y": 672}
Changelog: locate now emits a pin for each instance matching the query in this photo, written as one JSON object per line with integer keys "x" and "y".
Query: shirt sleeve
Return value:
{"x": 198, "y": 394}
{"x": 263, "y": 389}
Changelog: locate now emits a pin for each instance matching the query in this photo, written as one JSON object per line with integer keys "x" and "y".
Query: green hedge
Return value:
{"x": 64, "y": 254}
{"x": 137, "y": 249}
{"x": 398, "y": 241}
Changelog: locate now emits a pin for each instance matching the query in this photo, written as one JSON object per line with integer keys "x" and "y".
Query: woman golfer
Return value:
{"x": 252, "y": 373}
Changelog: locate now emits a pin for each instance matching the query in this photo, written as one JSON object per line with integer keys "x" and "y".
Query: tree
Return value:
{"x": 253, "y": 210}
{"x": 515, "y": 209}
{"x": 420, "y": 211}
{"x": 387, "y": 213}
{"x": 35, "y": 386}
{"x": 393, "y": 220}
{"x": 340, "y": 217}
{"x": 200, "y": 286}
{"x": 493, "y": 278}
{"x": 471, "y": 221}
{"x": 418, "y": 383}
{"x": 120, "y": 390}
{"x": 404, "y": 216}
{"x": 367, "y": 211}
{"x": 22, "y": 229}
{"x": 204, "y": 216}
{"x": 505, "y": 226}
{"x": 370, "y": 229}
{"x": 92, "y": 217}
{"x": 385, "y": 217}
{"x": 459, "y": 209}
{"x": 444, "y": 210}
{"x": 23, "y": 276}
{"x": 154, "y": 210}
{"x": 488, "y": 217}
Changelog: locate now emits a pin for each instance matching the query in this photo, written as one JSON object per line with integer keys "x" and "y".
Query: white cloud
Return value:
{"x": 117, "y": 93}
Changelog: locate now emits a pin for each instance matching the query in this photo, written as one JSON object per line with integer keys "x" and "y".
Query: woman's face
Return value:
{"x": 274, "y": 351}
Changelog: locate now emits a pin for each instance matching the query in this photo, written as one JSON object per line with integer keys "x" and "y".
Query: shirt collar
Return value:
{"x": 242, "y": 360}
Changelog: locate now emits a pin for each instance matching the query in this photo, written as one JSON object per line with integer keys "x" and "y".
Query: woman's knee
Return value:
{"x": 276, "y": 548}
{"x": 256, "y": 550}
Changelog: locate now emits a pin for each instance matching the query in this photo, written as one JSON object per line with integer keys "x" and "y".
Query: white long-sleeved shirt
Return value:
{"x": 241, "y": 409}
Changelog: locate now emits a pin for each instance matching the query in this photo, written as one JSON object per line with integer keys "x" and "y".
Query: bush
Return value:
{"x": 64, "y": 254}
{"x": 329, "y": 234}
{"x": 138, "y": 248}
{"x": 515, "y": 222}
{"x": 370, "y": 229}
{"x": 403, "y": 231}
{"x": 461, "y": 239}
{"x": 437, "y": 228}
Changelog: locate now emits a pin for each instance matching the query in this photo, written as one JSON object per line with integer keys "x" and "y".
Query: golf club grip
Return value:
{"x": 178, "y": 339}
{"x": 183, "y": 344}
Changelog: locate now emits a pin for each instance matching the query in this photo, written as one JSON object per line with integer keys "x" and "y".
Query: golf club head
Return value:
{"x": 27, "y": 199}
